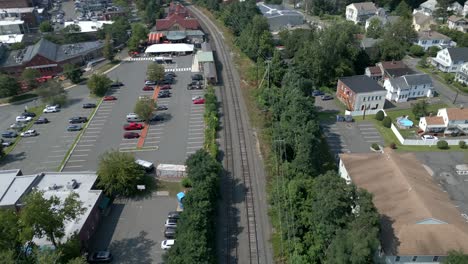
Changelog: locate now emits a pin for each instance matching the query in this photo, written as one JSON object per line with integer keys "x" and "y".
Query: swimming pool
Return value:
{"x": 405, "y": 122}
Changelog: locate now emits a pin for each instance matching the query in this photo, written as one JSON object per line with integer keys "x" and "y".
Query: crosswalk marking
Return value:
{"x": 178, "y": 69}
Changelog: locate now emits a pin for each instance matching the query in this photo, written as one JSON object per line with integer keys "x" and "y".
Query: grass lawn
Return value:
{"x": 172, "y": 187}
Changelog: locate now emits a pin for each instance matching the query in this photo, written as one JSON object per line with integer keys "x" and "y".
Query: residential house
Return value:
{"x": 418, "y": 221}
{"x": 427, "y": 8}
{"x": 360, "y": 12}
{"x": 455, "y": 8}
{"x": 49, "y": 58}
{"x": 458, "y": 23}
{"x": 448, "y": 120}
{"x": 383, "y": 20}
{"x": 279, "y": 17}
{"x": 360, "y": 92}
{"x": 462, "y": 75}
{"x": 465, "y": 9}
{"x": 427, "y": 39}
{"x": 450, "y": 59}
{"x": 407, "y": 87}
{"x": 422, "y": 22}
{"x": 14, "y": 186}
{"x": 388, "y": 69}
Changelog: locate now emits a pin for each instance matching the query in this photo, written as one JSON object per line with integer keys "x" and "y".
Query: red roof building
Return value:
{"x": 177, "y": 22}
{"x": 178, "y": 9}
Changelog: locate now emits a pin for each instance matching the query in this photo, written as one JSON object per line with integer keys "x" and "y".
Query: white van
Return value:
{"x": 148, "y": 166}
{"x": 132, "y": 117}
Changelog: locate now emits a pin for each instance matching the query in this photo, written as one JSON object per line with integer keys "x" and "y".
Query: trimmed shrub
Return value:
{"x": 375, "y": 146}
{"x": 380, "y": 115}
{"x": 387, "y": 122}
{"x": 393, "y": 146}
{"x": 462, "y": 144}
{"x": 186, "y": 183}
{"x": 416, "y": 50}
{"x": 442, "y": 144}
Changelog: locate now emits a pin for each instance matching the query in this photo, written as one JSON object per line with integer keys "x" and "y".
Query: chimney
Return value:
{"x": 461, "y": 107}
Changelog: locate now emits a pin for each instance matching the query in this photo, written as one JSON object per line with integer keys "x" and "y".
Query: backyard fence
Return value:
{"x": 361, "y": 113}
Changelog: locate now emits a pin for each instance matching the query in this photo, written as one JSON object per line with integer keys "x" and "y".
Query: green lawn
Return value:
{"x": 172, "y": 187}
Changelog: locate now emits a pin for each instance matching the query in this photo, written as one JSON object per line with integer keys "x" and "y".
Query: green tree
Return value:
{"x": 387, "y": 122}
{"x": 442, "y": 144}
{"x": 29, "y": 76}
{"x": 416, "y": 50}
{"x": 47, "y": 256}
{"x": 119, "y": 174}
{"x": 144, "y": 108}
{"x": 441, "y": 13}
{"x": 9, "y": 229}
{"x": 45, "y": 217}
{"x": 121, "y": 3}
{"x": 462, "y": 144}
{"x": 77, "y": 260}
{"x": 375, "y": 29}
{"x": 99, "y": 84}
{"x": 155, "y": 72}
{"x": 45, "y": 26}
{"x": 2, "y": 151}
{"x": 139, "y": 34}
{"x": 17, "y": 46}
{"x": 72, "y": 72}
{"x": 456, "y": 257}
{"x": 9, "y": 86}
{"x": 380, "y": 115}
{"x": 419, "y": 109}
{"x": 423, "y": 62}
{"x": 108, "y": 50}
{"x": 71, "y": 29}
{"x": 432, "y": 51}
{"x": 396, "y": 40}
{"x": 403, "y": 10}
{"x": 71, "y": 249}
{"x": 8, "y": 257}
{"x": 52, "y": 92}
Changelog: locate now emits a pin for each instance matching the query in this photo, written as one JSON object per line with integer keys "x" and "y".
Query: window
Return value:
{"x": 397, "y": 259}
{"x": 414, "y": 258}
{"x": 435, "y": 258}
{"x": 435, "y": 41}
{"x": 376, "y": 106}
{"x": 424, "y": 42}
{"x": 364, "y": 99}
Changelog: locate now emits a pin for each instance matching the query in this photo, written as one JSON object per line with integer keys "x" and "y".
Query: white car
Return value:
{"x": 196, "y": 98}
{"x": 23, "y": 118}
{"x": 171, "y": 222}
{"x": 51, "y": 109}
{"x": 17, "y": 126}
{"x": 150, "y": 83}
{"x": 429, "y": 137}
{"x": 167, "y": 244}
{"x": 29, "y": 133}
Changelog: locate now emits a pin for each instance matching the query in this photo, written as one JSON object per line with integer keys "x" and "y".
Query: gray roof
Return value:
{"x": 361, "y": 84}
{"x": 405, "y": 82}
{"x": 206, "y": 46}
{"x": 209, "y": 69}
{"x": 367, "y": 6}
{"x": 270, "y": 11}
{"x": 44, "y": 48}
{"x": 458, "y": 54}
{"x": 431, "y": 35}
{"x": 421, "y": 18}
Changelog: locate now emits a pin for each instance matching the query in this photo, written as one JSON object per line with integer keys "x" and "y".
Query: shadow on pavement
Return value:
{"x": 73, "y": 101}
{"x": 103, "y": 236}
{"x": 13, "y": 157}
{"x": 133, "y": 250}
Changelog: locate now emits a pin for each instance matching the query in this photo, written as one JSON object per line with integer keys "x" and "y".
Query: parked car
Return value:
{"x": 77, "y": 120}
{"x": 163, "y": 95}
{"x": 143, "y": 97}
{"x": 51, "y": 109}
{"x": 197, "y": 77}
{"x": 100, "y": 257}
{"x": 173, "y": 215}
{"x": 170, "y": 73}
{"x": 191, "y": 86}
{"x": 55, "y": 105}
{"x": 133, "y": 126}
{"x": 41, "y": 120}
{"x": 170, "y": 232}
{"x": 165, "y": 87}
{"x": 317, "y": 93}
{"x": 89, "y": 105}
{"x": 71, "y": 128}
{"x": 6, "y": 143}
{"x": 117, "y": 84}
{"x": 327, "y": 97}
{"x": 17, "y": 126}
{"x": 130, "y": 135}
{"x": 167, "y": 244}
{"x": 30, "y": 114}
{"x": 9, "y": 134}
{"x": 166, "y": 81}
{"x": 199, "y": 101}
{"x": 148, "y": 88}
{"x": 29, "y": 133}
{"x": 171, "y": 222}
{"x": 150, "y": 83}
{"x": 23, "y": 118}
{"x": 429, "y": 137}
{"x": 162, "y": 107}
{"x": 196, "y": 97}
{"x": 109, "y": 98}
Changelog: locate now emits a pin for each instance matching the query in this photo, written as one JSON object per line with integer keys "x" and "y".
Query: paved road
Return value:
{"x": 446, "y": 93}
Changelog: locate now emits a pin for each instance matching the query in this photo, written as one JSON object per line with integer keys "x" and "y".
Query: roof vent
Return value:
{"x": 54, "y": 187}
{"x": 73, "y": 184}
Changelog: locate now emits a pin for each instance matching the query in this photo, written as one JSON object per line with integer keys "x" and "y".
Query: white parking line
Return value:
{"x": 57, "y": 146}
{"x": 75, "y": 166}
{"x": 100, "y": 117}
{"x": 61, "y": 150}
{"x": 196, "y": 122}
{"x": 82, "y": 150}
{"x": 105, "y": 110}
{"x": 196, "y": 142}
{"x": 52, "y": 161}
{"x": 159, "y": 129}
{"x": 132, "y": 143}
{"x": 197, "y": 110}
{"x": 86, "y": 136}
{"x": 152, "y": 142}
{"x": 94, "y": 128}
{"x": 375, "y": 132}
{"x": 195, "y": 147}
{"x": 87, "y": 140}
{"x": 197, "y": 133}
{"x": 195, "y": 129}
{"x": 196, "y": 125}
{"x": 76, "y": 160}
{"x": 67, "y": 136}
{"x": 196, "y": 138}
{"x": 196, "y": 114}
{"x": 92, "y": 132}
{"x": 58, "y": 156}
{"x": 85, "y": 145}
{"x": 80, "y": 155}
{"x": 190, "y": 152}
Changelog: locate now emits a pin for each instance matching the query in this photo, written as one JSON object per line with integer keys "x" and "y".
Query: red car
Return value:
{"x": 129, "y": 135}
{"x": 133, "y": 126}
{"x": 148, "y": 88}
{"x": 165, "y": 87}
{"x": 109, "y": 98}
{"x": 199, "y": 101}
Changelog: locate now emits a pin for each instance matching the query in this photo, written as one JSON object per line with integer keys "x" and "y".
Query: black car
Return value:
{"x": 9, "y": 134}
{"x": 169, "y": 232}
{"x": 117, "y": 84}
{"x": 327, "y": 97}
{"x": 77, "y": 120}
{"x": 100, "y": 257}
{"x": 28, "y": 114}
{"x": 166, "y": 81}
{"x": 161, "y": 108}
{"x": 41, "y": 120}
{"x": 160, "y": 95}
{"x": 89, "y": 105}
{"x": 173, "y": 215}
{"x": 197, "y": 77}
{"x": 170, "y": 74}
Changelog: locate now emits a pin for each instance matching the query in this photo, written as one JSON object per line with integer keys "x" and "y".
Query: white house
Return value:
{"x": 448, "y": 120}
{"x": 419, "y": 223}
{"x": 450, "y": 59}
{"x": 427, "y": 39}
{"x": 465, "y": 9}
{"x": 422, "y": 22}
{"x": 458, "y": 23}
{"x": 406, "y": 87}
{"x": 360, "y": 12}
{"x": 456, "y": 8}
{"x": 427, "y": 8}
{"x": 462, "y": 74}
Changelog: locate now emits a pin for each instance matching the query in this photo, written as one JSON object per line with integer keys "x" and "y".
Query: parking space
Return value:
{"x": 196, "y": 127}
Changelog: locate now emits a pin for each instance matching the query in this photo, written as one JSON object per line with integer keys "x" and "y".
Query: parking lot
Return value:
{"x": 46, "y": 151}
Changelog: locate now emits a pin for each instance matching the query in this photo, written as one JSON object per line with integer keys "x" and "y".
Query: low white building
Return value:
{"x": 407, "y": 87}
{"x": 360, "y": 12}
{"x": 462, "y": 74}
{"x": 458, "y": 23}
{"x": 427, "y": 39}
{"x": 448, "y": 120}
{"x": 89, "y": 26}
{"x": 450, "y": 59}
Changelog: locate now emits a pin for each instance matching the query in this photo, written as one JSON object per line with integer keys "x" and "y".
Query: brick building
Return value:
{"x": 360, "y": 93}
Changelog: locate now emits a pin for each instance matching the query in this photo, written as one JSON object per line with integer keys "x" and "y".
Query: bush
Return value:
{"x": 442, "y": 144}
{"x": 416, "y": 50}
{"x": 380, "y": 115}
{"x": 375, "y": 146}
{"x": 393, "y": 146}
{"x": 186, "y": 183}
{"x": 387, "y": 122}
{"x": 462, "y": 144}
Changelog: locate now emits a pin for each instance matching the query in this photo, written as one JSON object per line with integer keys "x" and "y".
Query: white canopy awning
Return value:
{"x": 169, "y": 47}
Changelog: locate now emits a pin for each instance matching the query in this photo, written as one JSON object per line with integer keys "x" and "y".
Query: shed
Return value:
{"x": 205, "y": 56}
{"x": 170, "y": 171}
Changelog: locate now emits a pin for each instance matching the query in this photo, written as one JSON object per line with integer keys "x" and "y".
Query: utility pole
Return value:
{"x": 455, "y": 99}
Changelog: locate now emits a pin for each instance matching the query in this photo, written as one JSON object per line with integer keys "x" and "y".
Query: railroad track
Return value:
{"x": 234, "y": 128}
